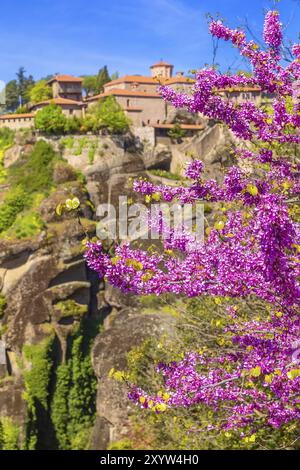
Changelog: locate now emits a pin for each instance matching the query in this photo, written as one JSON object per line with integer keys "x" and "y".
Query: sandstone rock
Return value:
{"x": 128, "y": 329}
{"x": 158, "y": 157}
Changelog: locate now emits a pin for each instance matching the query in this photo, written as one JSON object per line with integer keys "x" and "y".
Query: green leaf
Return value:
{"x": 255, "y": 372}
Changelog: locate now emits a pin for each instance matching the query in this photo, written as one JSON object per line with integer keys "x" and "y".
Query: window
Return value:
{"x": 128, "y": 101}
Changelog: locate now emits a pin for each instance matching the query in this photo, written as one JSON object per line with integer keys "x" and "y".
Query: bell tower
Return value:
{"x": 161, "y": 69}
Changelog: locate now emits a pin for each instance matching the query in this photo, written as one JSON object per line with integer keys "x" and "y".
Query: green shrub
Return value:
{"x": 107, "y": 114}
{"x": 124, "y": 444}
{"x": 9, "y": 434}
{"x": 6, "y": 137}
{"x": 6, "y": 141}
{"x": 37, "y": 380}
{"x": 72, "y": 125}
{"x": 67, "y": 142}
{"x": 26, "y": 179}
{"x": 73, "y": 407}
{"x": 165, "y": 174}
{"x": 14, "y": 202}
{"x": 50, "y": 120}
{"x": 35, "y": 174}
{"x": 26, "y": 225}
{"x": 82, "y": 143}
{"x": 2, "y": 305}
{"x": 176, "y": 133}
{"x": 92, "y": 152}
{"x": 70, "y": 308}
{"x": 40, "y": 91}
{"x": 59, "y": 405}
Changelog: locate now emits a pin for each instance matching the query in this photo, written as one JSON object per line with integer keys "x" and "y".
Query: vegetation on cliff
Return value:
{"x": 61, "y": 397}
{"x": 29, "y": 181}
{"x": 107, "y": 114}
{"x": 6, "y": 141}
{"x": 73, "y": 406}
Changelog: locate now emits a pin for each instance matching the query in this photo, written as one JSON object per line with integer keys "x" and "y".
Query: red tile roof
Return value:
{"x": 161, "y": 63}
{"x": 58, "y": 101}
{"x": 120, "y": 92}
{"x": 65, "y": 78}
{"x": 149, "y": 80}
{"x": 133, "y": 79}
{"x": 16, "y": 116}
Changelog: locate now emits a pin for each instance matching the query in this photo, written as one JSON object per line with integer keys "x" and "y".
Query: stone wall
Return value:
{"x": 145, "y": 134}
{"x": 17, "y": 123}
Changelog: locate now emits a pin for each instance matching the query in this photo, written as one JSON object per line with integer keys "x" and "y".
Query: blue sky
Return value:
{"x": 79, "y": 36}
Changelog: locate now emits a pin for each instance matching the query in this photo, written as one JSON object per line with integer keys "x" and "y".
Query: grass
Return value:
{"x": 67, "y": 142}
{"x": 27, "y": 179}
{"x": 82, "y": 143}
{"x": 6, "y": 141}
{"x": 166, "y": 174}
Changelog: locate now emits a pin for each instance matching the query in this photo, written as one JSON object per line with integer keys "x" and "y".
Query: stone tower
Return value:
{"x": 162, "y": 69}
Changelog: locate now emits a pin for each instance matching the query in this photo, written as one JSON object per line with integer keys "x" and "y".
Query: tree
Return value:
{"x": 24, "y": 85}
{"x": 22, "y": 109}
{"x": 94, "y": 84}
{"x": 17, "y": 91}
{"x": 11, "y": 95}
{"x": 40, "y": 92}
{"x": 250, "y": 251}
{"x": 176, "y": 133}
{"x": 102, "y": 78}
{"x": 89, "y": 84}
{"x": 107, "y": 114}
{"x": 50, "y": 120}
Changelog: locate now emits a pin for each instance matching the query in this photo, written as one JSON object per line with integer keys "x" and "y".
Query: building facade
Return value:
{"x": 136, "y": 94}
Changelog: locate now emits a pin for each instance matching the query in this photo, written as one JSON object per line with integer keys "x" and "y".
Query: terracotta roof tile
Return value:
{"x": 161, "y": 63}
{"x": 133, "y": 79}
{"x": 121, "y": 92}
{"x": 149, "y": 80}
{"x": 58, "y": 101}
{"x": 16, "y": 116}
{"x": 65, "y": 78}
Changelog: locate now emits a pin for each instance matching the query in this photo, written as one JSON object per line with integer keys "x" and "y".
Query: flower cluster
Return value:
{"x": 272, "y": 30}
{"x": 253, "y": 249}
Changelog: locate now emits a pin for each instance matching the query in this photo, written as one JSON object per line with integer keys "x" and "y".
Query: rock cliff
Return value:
{"x": 48, "y": 289}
